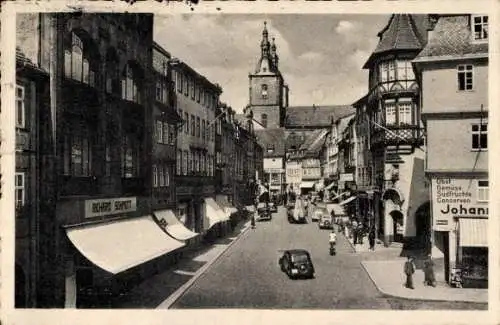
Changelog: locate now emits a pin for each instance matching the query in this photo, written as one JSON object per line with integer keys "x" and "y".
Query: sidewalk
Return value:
{"x": 163, "y": 289}
{"x": 385, "y": 268}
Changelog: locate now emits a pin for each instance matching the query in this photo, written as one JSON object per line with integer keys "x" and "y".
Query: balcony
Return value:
{"x": 411, "y": 135}
{"x": 392, "y": 88}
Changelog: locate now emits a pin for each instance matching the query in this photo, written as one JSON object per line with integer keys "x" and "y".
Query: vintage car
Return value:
{"x": 296, "y": 263}
{"x": 263, "y": 212}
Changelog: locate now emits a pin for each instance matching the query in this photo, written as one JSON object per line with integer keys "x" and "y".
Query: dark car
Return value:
{"x": 297, "y": 263}
{"x": 273, "y": 207}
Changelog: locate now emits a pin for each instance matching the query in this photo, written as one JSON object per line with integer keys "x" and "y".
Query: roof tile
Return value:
{"x": 315, "y": 116}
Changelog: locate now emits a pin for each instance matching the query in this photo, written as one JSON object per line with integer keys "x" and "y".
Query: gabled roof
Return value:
{"x": 402, "y": 32}
{"x": 452, "y": 37}
{"x": 315, "y": 116}
{"x": 272, "y": 138}
{"x": 316, "y": 143}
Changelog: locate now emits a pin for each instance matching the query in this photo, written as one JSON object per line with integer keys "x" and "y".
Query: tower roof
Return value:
{"x": 403, "y": 32}
{"x": 266, "y": 63}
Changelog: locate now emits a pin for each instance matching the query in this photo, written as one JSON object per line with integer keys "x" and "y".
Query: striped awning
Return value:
{"x": 473, "y": 232}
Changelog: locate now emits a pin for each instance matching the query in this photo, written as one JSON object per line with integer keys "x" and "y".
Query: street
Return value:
{"x": 248, "y": 275}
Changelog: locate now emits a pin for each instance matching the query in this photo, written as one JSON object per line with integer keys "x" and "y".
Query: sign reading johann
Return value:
{"x": 454, "y": 198}
{"x": 104, "y": 207}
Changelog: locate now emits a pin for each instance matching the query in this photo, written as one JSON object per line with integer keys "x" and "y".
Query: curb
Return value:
{"x": 167, "y": 303}
{"x": 415, "y": 299}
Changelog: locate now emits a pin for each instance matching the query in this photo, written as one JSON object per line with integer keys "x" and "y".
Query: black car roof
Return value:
{"x": 297, "y": 251}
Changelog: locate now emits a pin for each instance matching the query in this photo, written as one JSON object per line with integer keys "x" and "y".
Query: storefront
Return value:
{"x": 110, "y": 245}
{"x": 215, "y": 220}
{"x": 460, "y": 227}
{"x": 173, "y": 226}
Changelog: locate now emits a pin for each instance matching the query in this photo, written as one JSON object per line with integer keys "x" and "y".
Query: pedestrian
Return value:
{"x": 409, "y": 269}
{"x": 429, "y": 277}
{"x": 371, "y": 239}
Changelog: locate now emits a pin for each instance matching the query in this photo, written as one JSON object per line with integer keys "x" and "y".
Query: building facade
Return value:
{"x": 454, "y": 85}
{"x": 196, "y": 100}
{"x": 94, "y": 169}
{"x": 396, "y": 132}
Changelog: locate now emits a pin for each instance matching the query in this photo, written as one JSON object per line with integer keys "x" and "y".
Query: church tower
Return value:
{"x": 268, "y": 94}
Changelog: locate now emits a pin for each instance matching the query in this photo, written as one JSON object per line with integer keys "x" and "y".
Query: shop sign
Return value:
{"x": 347, "y": 177}
{"x": 104, "y": 207}
{"x": 455, "y": 198}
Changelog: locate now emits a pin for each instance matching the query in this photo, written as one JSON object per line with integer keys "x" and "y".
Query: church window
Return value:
{"x": 263, "y": 120}
{"x": 264, "y": 91}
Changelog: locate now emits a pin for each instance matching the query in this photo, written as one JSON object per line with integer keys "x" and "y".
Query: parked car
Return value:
{"x": 273, "y": 207}
{"x": 296, "y": 263}
{"x": 325, "y": 222}
{"x": 263, "y": 212}
{"x": 318, "y": 211}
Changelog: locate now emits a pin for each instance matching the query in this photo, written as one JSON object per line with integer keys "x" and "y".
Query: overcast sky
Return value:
{"x": 321, "y": 56}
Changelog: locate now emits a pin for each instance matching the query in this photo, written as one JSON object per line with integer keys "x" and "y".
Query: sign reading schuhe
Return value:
{"x": 453, "y": 198}
{"x": 104, "y": 207}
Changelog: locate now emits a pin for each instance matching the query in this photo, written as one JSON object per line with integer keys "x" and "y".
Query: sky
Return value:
{"x": 320, "y": 56}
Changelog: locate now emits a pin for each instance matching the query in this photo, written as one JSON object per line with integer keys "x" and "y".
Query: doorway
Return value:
{"x": 423, "y": 227}
{"x": 398, "y": 227}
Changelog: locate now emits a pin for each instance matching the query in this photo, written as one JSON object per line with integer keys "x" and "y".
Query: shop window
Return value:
{"x": 20, "y": 108}
{"x": 479, "y": 137}
{"x": 483, "y": 191}
{"x": 465, "y": 77}
{"x": 404, "y": 113}
{"x": 20, "y": 190}
{"x": 480, "y": 28}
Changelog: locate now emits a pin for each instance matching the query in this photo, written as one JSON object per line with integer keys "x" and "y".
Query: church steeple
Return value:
{"x": 264, "y": 45}
{"x": 274, "y": 54}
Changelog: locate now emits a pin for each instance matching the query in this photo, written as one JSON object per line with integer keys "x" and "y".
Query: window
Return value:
{"x": 107, "y": 156}
{"x": 198, "y": 127}
{"x": 196, "y": 166}
{"x": 202, "y": 162}
{"x": 159, "y": 91}
{"x": 171, "y": 134}
{"x": 185, "y": 159}
{"x": 198, "y": 93}
{"x": 20, "y": 110}
{"x": 405, "y": 70}
{"x": 178, "y": 162}
{"x": 390, "y": 113}
{"x": 130, "y": 85}
{"x": 112, "y": 75}
{"x": 166, "y": 133}
{"x": 77, "y": 62}
{"x": 155, "y": 176}
{"x": 465, "y": 81}
{"x": 483, "y": 191}
{"x": 405, "y": 113}
{"x": 77, "y": 152}
{"x": 130, "y": 157}
{"x": 186, "y": 122}
{"x": 159, "y": 131}
{"x": 167, "y": 176}
{"x": 190, "y": 162}
{"x": 20, "y": 191}
{"x": 480, "y": 28}
{"x": 178, "y": 80}
{"x": 193, "y": 125}
{"x": 387, "y": 71}
{"x": 161, "y": 176}
{"x": 186, "y": 86}
{"x": 203, "y": 135}
{"x": 479, "y": 136}
{"x": 263, "y": 120}
{"x": 264, "y": 91}
{"x": 193, "y": 95}
{"x": 203, "y": 97}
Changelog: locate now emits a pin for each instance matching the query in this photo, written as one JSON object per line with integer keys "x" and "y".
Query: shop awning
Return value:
{"x": 473, "y": 232}
{"x": 347, "y": 201}
{"x": 329, "y": 186}
{"x": 120, "y": 245}
{"x": 174, "y": 226}
{"x": 306, "y": 185}
{"x": 223, "y": 202}
{"x": 214, "y": 213}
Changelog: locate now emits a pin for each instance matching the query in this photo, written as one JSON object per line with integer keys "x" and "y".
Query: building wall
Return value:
{"x": 270, "y": 105}
{"x": 449, "y": 144}
{"x": 440, "y": 88}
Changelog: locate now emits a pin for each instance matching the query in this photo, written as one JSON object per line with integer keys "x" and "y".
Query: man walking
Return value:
{"x": 430, "y": 278}
{"x": 371, "y": 239}
{"x": 409, "y": 269}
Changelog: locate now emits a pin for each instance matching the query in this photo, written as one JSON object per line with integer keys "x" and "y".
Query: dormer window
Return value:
{"x": 270, "y": 148}
{"x": 480, "y": 28}
{"x": 264, "y": 91}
